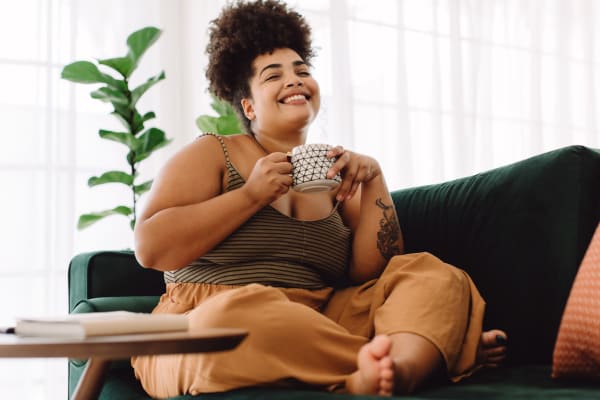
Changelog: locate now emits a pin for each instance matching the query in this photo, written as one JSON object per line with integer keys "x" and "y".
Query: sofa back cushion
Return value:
{"x": 520, "y": 231}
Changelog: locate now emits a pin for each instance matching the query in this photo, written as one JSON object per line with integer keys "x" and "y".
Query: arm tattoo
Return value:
{"x": 389, "y": 232}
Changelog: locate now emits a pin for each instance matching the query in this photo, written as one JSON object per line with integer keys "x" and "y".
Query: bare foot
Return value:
{"x": 492, "y": 348}
{"x": 375, "y": 374}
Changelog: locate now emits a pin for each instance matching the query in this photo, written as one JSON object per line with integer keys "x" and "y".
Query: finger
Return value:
{"x": 277, "y": 157}
{"x": 283, "y": 167}
{"x": 339, "y": 165}
{"x": 368, "y": 174}
{"x": 335, "y": 151}
{"x": 287, "y": 180}
{"x": 353, "y": 190}
{"x": 348, "y": 179}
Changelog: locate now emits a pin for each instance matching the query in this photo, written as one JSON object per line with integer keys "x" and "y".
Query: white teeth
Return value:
{"x": 294, "y": 98}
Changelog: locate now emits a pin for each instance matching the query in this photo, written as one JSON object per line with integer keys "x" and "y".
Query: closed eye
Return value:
{"x": 272, "y": 77}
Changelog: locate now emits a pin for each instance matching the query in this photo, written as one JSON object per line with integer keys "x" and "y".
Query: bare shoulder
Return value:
{"x": 193, "y": 174}
{"x": 202, "y": 154}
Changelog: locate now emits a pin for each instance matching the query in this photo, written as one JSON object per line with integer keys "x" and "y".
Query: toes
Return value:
{"x": 492, "y": 348}
{"x": 380, "y": 346}
{"x": 494, "y": 351}
{"x": 493, "y": 338}
{"x": 386, "y": 376}
{"x": 386, "y": 363}
{"x": 386, "y": 385}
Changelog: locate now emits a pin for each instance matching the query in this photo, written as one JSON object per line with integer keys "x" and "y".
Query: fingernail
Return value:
{"x": 501, "y": 339}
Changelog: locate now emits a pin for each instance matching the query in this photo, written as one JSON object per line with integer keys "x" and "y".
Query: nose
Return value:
{"x": 294, "y": 81}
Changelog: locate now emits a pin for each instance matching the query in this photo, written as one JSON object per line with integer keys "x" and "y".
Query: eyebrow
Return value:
{"x": 271, "y": 66}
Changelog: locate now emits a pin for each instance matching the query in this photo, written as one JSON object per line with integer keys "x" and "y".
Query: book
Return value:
{"x": 100, "y": 324}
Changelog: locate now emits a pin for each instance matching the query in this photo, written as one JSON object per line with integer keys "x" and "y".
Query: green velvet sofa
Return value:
{"x": 520, "y": 231}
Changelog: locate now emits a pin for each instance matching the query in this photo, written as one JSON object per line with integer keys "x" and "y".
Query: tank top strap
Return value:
{"x": 223, "y": 146}
{"x": 234, "y": 179}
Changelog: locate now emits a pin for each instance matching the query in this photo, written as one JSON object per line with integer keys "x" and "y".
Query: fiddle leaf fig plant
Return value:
{"x": 140, "y": 141}
{"x": 225, "y": 123}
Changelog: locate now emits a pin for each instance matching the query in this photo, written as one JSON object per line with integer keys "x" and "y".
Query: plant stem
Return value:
{"x": 133, "y": 217}
{"x": 132, "y": 161}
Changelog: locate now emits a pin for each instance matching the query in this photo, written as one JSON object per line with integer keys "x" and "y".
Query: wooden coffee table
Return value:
{"x": 102, "y": 350}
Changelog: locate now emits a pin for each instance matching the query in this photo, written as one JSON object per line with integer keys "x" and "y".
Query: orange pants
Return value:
{"x": 313, "y": 336}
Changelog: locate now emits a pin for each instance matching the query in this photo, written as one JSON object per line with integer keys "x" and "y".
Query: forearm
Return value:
{"x": 174, "y": 237}
{"x": 377, "y": 237}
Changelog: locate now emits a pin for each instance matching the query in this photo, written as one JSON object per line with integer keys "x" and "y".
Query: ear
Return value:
{"x": 248, "y": 108}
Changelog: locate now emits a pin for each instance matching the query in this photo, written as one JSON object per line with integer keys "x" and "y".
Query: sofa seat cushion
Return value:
{"x": 515, "y": 383}
{"x": 525, "y": 382}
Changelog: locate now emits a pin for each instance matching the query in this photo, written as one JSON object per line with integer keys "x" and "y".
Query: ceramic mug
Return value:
{"x": 310, "y": 166}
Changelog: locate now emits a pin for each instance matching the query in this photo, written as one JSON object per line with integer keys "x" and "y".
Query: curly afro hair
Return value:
{"x": 244, "y": 31}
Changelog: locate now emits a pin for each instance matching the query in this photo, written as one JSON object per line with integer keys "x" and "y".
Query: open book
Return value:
{"x": 100, "y": 323}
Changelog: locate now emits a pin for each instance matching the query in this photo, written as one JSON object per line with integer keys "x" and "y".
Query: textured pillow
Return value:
{"x": 577, "y": 350}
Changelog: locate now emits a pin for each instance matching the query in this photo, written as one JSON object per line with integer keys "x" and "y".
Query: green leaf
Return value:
{"x": 150, "y": 141}
{"x": 87, "y": 72}
{"x": 138, "y": 122}
{"x": 110, "y": 95}
{"x": 122, "y": 65}
{"x": 138, "y": 42}
{"x": 223, "y": 125}
{"x": 124, "y": 112}
{"x": 228, "y": 125}
{"x": 122, "y": 119}
{"x": 142, "y": 187}
{"x": 148, "y": 116}
{"x": 86, "y": 220}
{"x": 111, "y": 177}
{"x": 131, "y": 157}
{"x": 140, "y": 90}
{"x": 222, "y": 107}
{"x": 206, "y": 123}
{"x": 121, "y": 137}
{"x": 82, "y": 72}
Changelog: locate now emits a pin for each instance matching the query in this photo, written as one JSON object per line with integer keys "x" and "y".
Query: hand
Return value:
{"x": 269, "y": 179}
{"x": 355, "y": 169}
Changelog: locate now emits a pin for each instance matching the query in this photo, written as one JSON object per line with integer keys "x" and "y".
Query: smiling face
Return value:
{"x": 284, "y": 95}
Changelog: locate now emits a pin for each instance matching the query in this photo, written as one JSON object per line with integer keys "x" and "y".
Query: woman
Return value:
{"x": 240, "y": 249}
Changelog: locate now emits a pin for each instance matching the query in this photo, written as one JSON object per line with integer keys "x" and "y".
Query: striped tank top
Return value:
{"x": 273, "y": 249}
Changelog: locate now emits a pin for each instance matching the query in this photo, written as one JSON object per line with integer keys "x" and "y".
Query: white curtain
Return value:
{"x": 439, "y": 89}
{"x": 434, "y": 89}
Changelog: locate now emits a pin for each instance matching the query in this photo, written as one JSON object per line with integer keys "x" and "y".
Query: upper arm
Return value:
{"x": 192, "y": 175}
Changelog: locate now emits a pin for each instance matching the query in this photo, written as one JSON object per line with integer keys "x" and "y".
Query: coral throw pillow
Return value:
{"x": 577, "y": 349}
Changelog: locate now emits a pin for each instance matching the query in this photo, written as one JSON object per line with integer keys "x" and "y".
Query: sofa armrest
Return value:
{"x": 143, "y": 304}
{"x": 110, "y": 274}
{"x": 138, "y": 304}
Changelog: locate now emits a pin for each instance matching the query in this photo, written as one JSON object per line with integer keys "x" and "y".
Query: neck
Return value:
{"x": 271, "y": 144}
